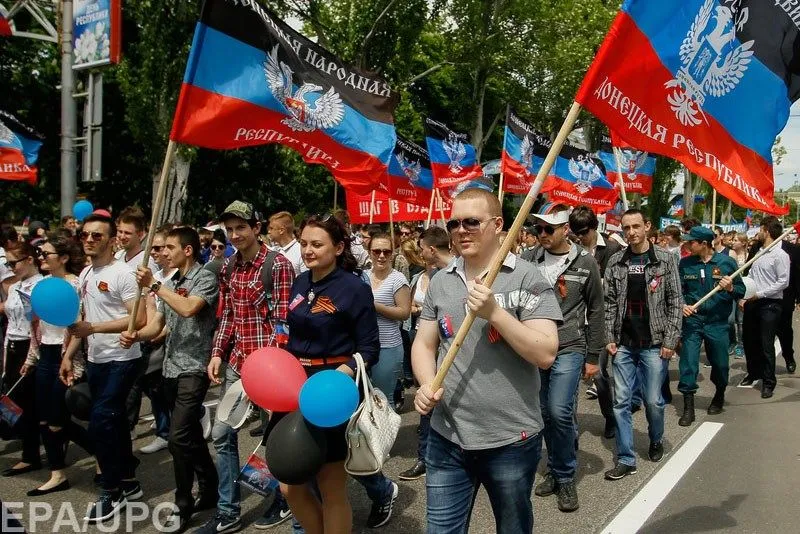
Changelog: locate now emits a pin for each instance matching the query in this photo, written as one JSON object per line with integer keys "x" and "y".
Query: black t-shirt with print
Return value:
{"x": 636, "y": 322}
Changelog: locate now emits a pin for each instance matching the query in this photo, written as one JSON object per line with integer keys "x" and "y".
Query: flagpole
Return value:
{"x": 372, "y": 206}
{"x": 335, "y": 194}
{"x": 161, "y": 192}
{"x": 622, "y": 193}
{"x": 500, "y": 192}
{"x": 741, "y": 269}
{"x": 391, "y": 222}
{"x": 510, "y": 239}
{"x": 441, "y": 208}
{"x": 713, "y": 209}
{"x": 430, "y": 208}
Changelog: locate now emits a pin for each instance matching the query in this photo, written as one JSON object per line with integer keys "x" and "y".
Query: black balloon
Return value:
{"x": 79, "y": 401}
{"x": 296, "y": 450}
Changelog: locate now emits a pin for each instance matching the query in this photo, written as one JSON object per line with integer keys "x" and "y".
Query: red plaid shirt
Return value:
{"x": 245, "y": 321}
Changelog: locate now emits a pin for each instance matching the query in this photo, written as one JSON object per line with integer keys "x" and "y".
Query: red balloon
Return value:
{"x": 272, "y": 379}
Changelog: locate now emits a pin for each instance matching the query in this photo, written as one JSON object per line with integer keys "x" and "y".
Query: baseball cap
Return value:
{"x": 699, "y": 233}
{"x": 239, "y": 208}
{"x": 560, "y": 217}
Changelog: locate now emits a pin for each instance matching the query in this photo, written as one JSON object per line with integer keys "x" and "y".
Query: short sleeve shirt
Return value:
{"x": 491, "y": 394}
{"x": 188, "y": 344}
{"x": 384, "y": 294}
{"x": 104, "y": 292}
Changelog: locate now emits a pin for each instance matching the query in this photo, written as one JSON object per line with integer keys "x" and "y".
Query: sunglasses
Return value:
{"x": 582, "y": 232}
{"x": 217, "y": 247}
{"x": 13, "y": 263}
{"x": 405, "y": 233}
{"x": 96, "y": 236}
{"x": 470, "y": 224}
{"x": 323, "y": 218}
{"x": 157, "y": 248}
{"x": 381, "y": 252}
{"x": 43, "y": 254}
{"x": 546, "y": 229}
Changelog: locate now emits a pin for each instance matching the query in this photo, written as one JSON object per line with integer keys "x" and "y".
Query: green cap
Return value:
{"x": 240, "y": 209}
{"x": 699, "y": 233}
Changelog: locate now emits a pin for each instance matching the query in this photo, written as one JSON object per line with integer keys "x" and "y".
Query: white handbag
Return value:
{"x": 372, "y": 428}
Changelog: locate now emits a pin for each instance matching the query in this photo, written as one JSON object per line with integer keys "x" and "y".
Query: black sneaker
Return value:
{"x": 220, "y": 524}
{"x": 132, "y": 489}
{"x": 107, "y": 506}
{"x": 380, "y": 513}
{"x": 417, "y": 471}
{"x": 620, "y": 471}
{"x": 547, "y": 487}
{"x": 767, "y": 392}
{"x": 748, "y": 382}
{"x": 656, "y": 451}
{"x": 278, "y": 513}
{"x": 567, "y": 497}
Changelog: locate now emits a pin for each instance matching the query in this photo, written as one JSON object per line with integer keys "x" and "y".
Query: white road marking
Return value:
{"x": 631, "y": 518}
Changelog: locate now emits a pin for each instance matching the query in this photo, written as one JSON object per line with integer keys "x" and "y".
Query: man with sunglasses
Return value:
{"x": 575, "y": 277}
{"x": 644, "y": 312}
{"x": 486, "y": 422}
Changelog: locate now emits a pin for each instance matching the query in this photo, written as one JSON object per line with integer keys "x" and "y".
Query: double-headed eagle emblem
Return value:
{"x": 304, "y": 115}
{"x": 456, "y": 151}
{"x": 6, "y": 135}
{"x": 526, "y": 154}
{"x": 632, "y": 161}
{"x": 586, "y": 172}
{"x": 412, "y": 170}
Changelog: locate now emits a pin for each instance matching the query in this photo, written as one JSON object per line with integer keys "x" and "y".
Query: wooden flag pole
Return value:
{"x": 509, "y": 241}
{"x": 744, "y": 267}
{"x": 372, "y": 206}
{"x": 714, "y": 209}
{"x": 441, "y": 208}
{"x": 161, "y": 192}
{"x": 335, "y": 195}
{"x": 391, "y": 222}
{"x": 430, "y": 208}
{"x": 500, "y": 191}
{"x": 622, "y": 194}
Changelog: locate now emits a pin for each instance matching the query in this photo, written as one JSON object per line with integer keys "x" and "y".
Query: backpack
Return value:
{"x": 266, "y": 277}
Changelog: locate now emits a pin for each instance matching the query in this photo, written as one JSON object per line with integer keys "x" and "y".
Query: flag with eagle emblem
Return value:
{"x": 410, "y": 178}
{"x": 252, "y": 80}
{"x": 453, "y": 159}
{"x": 19, "y": 150}
{"x": 706, "y": 82}
{"x": 524, "y": 150}
{"x": 579, "y": 178}
{"x": 637, "y": 167}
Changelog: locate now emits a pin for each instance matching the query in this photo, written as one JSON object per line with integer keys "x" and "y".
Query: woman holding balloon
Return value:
{"x": 62, "y": 259}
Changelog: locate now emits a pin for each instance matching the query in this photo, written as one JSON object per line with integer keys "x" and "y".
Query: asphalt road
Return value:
{"x": 743, "y": 481}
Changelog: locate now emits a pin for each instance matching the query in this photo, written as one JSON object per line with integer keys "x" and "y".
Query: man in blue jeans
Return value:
{"x": 486, "y": 426}
{"x": 575, "y": 277}
{"x": 644, "y": 314}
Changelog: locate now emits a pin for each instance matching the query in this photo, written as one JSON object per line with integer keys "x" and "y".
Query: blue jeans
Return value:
{"x": 558, "y": 398}
{"x": 454, "y": 476}
{"x": 110, "y": 384}
{"x": 652, "y": 370}
{"x": 226, "y": 443}
{"x": 388, "y": 370}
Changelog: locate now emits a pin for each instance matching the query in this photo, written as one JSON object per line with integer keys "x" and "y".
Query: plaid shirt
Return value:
{"x": 664, "y": 296}
{"x": 244, "y": 322}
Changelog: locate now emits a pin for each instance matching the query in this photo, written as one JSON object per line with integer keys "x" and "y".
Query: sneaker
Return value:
{"x": 417, "y": 471}
{"x": 656, "y": 451}
{"x": 766, "y": 393}
{"x": 131, "y": 489}
{"x": 156, "y": 445}
{"x": 567, "y": 497}
{"x": 380, "y": 513}
{"x": 220, "y": 524}
{"x": 548, "y": 486}
{"x": 591, "y": 391}
{"x": 738, "y": 352}
{"x": 205, "y": 422}
{"x": 706, "y": 365}
{"x": 620, "y": 471}
{"x": 748, "y": 382}
{"x": 276, "y": 514}
{"x": 107, "y": 506}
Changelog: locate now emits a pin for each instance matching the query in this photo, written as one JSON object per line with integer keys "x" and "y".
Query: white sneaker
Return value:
{"x": 205, "y": 422}
{"x": 156, "y": 445}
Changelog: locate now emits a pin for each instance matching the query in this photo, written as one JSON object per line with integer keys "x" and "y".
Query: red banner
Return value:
{"x": 358, "y": 208}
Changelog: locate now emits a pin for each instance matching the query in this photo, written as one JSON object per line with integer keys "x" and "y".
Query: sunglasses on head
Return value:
{"x": 546, "y": 229}
{"x": 470, "y": 224}
{"x": 217, "y": 247}
{"x": 323, "y": 217}
{"x": 582, "y": 232}
{"x": 382, "y": 252}
{"x": 96, "y": 236}
{"x": 13, "y": 263}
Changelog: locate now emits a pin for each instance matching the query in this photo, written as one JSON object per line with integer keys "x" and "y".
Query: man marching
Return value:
{"x": 699, "y": 273}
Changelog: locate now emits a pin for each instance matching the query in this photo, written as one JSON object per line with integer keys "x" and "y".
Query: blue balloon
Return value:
{"x": 55, "y": 301}
{"x": 328, "y": 398}
{"x": 82, "y": 209}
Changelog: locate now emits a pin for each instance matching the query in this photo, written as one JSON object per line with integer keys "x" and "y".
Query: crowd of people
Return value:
{"x": 570, "y": 303}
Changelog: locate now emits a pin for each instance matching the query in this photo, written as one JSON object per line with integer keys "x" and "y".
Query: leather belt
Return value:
{"x": 316, "y": 362}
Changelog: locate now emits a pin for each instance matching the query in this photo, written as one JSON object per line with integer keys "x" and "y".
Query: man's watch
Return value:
{"x": 155, "y": 287}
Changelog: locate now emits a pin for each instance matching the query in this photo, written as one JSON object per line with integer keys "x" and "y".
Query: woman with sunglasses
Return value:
{"x": 218, "y": 245}
{"x": 60, "y": 258}
{"x": 21, "y": 258}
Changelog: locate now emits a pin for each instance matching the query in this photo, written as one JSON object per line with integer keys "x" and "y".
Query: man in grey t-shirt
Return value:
{"x": 487, "y": 422}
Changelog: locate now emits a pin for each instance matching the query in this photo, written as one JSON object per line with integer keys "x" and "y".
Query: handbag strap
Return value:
{"x": 365, "y": 385}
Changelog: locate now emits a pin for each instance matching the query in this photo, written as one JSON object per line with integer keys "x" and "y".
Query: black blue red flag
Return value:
{"x": 453, "y": 159}
{"x": 578, "y": 178}
{"x": 410, "y": 177}
{"x": 253, "y": 80}
{"x": 524, "y": 150}
{"x": 636, "y": 166}
{"x": 19, "y": 150}
{"x": 706, "y": 82}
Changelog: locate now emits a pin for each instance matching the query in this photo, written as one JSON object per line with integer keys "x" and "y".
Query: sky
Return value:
{"x": 788, "y": 172}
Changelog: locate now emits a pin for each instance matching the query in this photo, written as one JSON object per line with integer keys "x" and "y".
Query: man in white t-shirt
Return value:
{"x": 281, "y": 237}
{"x": 108, "y": 291}
{"x": 130, "y": 233}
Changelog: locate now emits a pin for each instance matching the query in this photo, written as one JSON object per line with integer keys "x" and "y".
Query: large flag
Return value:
{"x": 410, "y": 178}
{"x": 637, "y": 167}
{"x": 578, "y": 178}
{"x": 252, "y": 80}
{"x": 358, "y": 207}
{"x": 453, "y": 159}
{"x": 707, "y": 82}
{"x": 524, "y": 150}
{"x": 19, "y": 150}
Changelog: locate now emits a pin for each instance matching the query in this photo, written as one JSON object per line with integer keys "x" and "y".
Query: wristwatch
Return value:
{"x": 155, "y": 287}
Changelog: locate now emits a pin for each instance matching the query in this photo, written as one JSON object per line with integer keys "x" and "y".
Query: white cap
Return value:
{"x": 560, "y": 217}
